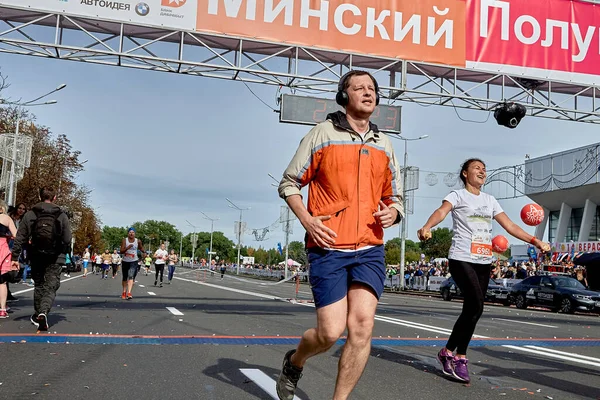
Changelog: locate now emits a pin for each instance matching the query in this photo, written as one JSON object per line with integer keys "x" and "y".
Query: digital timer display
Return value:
{"x": 312, "y": 110}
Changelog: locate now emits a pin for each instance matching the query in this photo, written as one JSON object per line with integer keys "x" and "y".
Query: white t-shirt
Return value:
{"x": 160, "y": 256}
{"x": 472, "y": 225}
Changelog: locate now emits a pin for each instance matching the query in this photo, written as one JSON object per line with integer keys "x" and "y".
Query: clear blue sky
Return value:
{"x": 165, "y": 146}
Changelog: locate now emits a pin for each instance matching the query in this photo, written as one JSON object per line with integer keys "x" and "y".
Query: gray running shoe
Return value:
{"x": 288, "y": 378}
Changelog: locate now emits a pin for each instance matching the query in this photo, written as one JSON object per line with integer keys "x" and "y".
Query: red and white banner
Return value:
{"x": 588, "y": 247}
{"x": 549, "y": 39}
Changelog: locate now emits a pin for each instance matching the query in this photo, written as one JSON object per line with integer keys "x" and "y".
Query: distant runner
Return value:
{"x": 115, "y": 262}
{"x": 86, "y": 260}
{"x": 147, "y": 263}
{"x": 172, "y": 262}
{"x": 160, "y": 257}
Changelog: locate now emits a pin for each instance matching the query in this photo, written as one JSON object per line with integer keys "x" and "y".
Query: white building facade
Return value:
{"x": 567, "y": 186}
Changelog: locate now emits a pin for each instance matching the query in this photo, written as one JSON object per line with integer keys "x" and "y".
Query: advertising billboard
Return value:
{"x": 172, "y": 14}
{"x": 549, "y": 39}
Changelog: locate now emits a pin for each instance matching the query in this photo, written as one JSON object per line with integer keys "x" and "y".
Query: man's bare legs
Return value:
{"x": 362, "y": 304}
{"x": 331, "y": 324}
{"x": 357, "y": 312}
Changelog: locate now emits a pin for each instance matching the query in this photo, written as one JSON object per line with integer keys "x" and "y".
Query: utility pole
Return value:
{"x": 194, "y": 240}
{"x": 180, "y": 245}
{"x": 241, "y": 210}
{"x": 404, "y": 220}
{"x": 210, "y": 250}
{"x": 286, "y": 228}
{"x": 287, "y": 239}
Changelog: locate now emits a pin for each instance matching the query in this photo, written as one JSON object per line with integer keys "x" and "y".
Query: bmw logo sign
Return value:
{"x": 142, "y": 9}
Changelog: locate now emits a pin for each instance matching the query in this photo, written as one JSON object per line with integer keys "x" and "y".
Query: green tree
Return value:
{"x": 439, "y": 244}
{"x": 409, "y": 244}
{"x": 392, "y": 251}
{"x": 297, "y": 252}
{"x": 392, "y": 255}
{"x": 153, "y": 233}
{"x": 112, "y": 237}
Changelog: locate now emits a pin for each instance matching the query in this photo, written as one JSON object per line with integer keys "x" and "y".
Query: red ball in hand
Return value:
{"x": 499, "y": 244}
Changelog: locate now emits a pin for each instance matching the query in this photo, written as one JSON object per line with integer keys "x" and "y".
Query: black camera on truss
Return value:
{"x": 509, "y": 114}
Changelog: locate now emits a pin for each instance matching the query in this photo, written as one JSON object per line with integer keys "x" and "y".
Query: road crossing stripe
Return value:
{"x": 61, "y": 281}
{"x": 574, "y": 355}
{"x": 545, "y": 353}
{"x": 152, "y": 293}
{"x": 174, "y": 311}
{"x": 264, "y": 381}
{"x": 523, "y": 322}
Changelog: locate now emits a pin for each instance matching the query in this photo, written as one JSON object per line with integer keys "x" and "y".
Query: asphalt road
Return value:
{"x": 206, "y": 338}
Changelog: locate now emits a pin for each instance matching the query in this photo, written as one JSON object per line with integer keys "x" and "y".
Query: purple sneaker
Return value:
{"x": 460, "y": 370}
{"x": 446, "y": 361}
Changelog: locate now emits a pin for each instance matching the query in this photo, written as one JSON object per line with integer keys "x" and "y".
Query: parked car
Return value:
{"x": 559, "y": 293}
{"x": 496, "y": 293}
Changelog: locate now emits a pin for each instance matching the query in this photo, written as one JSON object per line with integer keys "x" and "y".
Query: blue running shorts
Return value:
{"x": 332, "y": 272}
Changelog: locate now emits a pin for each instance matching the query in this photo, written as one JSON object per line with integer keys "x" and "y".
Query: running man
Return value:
{"x": 46, "y": 251}
{"x": 160, "y": 257}
{"x": 130, "y": 246}
{"x": 470, "y": 256}
{"x": 172, "y": 262}
{"x": 354, "y": 193}
{"x": 106, "y": 260}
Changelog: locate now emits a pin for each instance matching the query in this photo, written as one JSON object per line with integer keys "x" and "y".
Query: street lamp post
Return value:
{"x": 404, "y": 224}
{"x": 194, "y": 239}
{"x": 210, "y": 251}
{"x": 11, "y": 185}
{"x": 286, "y": 230}
{"x": 241, "y": 210}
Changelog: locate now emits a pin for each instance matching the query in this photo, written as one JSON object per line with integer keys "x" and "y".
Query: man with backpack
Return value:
{"x": 49, "y": 230}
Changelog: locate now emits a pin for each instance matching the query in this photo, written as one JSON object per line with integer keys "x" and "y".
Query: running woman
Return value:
{"x": 160, "y": 256}
{"x": 7, "y": 230}
{"x": 115, "y": 262}
{"x": 470, "y": 256}
{"x": 172, "y": 262}
{"x": 97, "y": 263}
{"x": 129, "y": 248}
{"x": 147, "y": 263}
{"x": 86, "y": 260}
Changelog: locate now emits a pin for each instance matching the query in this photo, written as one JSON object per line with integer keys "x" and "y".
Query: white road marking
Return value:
{"x": 415, "y": 325}
{"x": 263, "y": 381}
{"x": 264, "y": 296}
{"x": 546, "y": 353}
{"x": 152, "y": 293}
{"x": 174, "y": 311}
{"x": 574, "y": 355}
{"x": 61, "y": 281}
{"x": 141, "y": 286}
{"x": 523, "y": 322}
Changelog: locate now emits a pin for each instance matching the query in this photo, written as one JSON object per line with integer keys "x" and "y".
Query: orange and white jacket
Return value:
{"x": 347, "y": 176}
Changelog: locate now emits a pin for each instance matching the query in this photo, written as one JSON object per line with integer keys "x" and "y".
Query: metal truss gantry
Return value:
{"x": 299, "y": 68}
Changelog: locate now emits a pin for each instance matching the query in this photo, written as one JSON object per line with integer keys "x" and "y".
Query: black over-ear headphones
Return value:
{"x": 342, "y": 97}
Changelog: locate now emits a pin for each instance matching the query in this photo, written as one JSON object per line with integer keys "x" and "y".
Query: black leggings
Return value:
{"x": 159, "y": 268}
{"x": 472, "y": 280}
